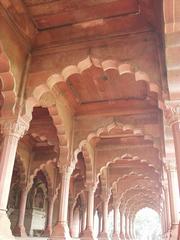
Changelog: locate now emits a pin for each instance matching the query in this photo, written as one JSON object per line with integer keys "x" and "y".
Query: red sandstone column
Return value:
{"x": 167, "y": 200}
{"x": 61, "y": 230}
{"x": 104, "y": 233}
{"x": 173, "y": 192}
{"x": 12, "y": 130}
{"x": 100, "y": 222}
{"x": 71, "y": 215}
{"x": 130, "y": 228}
{"x": 126, "y": 227}
{"x": 116, "y": 214}
{"x": 88, "y": 232}
{"x": 173, "y": 117}
{"x": 122, "y": 237}
{"x": 176, "y": 136}
{"x": 48, "y": 230}
{"x": 19, "y": 230}
{"x": 83, "y": 220}
{"x": 133, "y": 228}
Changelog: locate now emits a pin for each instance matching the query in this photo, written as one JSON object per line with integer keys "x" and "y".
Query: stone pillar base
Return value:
{"x": 127, "y": 237}
{"x": 47, "y": 232}
{"x": 122, "y": 237}
{"x": 5, "y": 230}
{"x": 19, "y": 231}
{"x": 103, "y": 236}
{"x": 60, "y": 231}
{"x": 115, "y": 236}
{"x": 131, "y": 237}
{"x": 87, "y": 234}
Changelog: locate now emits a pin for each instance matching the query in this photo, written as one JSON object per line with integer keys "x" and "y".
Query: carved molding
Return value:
{"x": 172, "y": 112}
{"x": 14, "y": 127}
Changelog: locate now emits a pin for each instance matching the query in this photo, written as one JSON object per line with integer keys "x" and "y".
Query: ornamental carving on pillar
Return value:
{"x": 66, "y": 170}
{"x": 105, "y": 195}
{"x": 15, "y": 127}
{"x": 172, "y": 112}
{"x": 171, "y": 166}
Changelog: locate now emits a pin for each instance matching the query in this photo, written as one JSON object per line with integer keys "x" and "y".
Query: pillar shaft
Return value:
{"x": 176, "y": 137}
{"x": 48, "y": 230}
{"x": 90, "y": 209}
{"x": 100, "y": 223}
{"x": 105, "y": 216}
{"x": 167, "y": 199}
{"x": 71, "y": 218}
{"x": 116, "y": 213}
{"x": 83, "y": 225}
{"x": 12, "y": 130}
{"x": 121, "y": 226}
{"x": 126, "y": 227}
{"x": 173, "y": 189}
{"x": 20, "y": 229}
{"x": 116, "y": 227}
{"x": 130, "y": 227}
{"x": 88, "y": 232}
{"x": 61, "y": 230}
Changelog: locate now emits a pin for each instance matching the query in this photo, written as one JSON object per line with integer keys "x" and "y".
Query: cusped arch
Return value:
{"x": 80, "y": 194}
{"x": 121, "y": 68}
{"x": 137, "y": 186}
{"x": 140, "y": 197}
{"x": 125, "y": 157}
{"x": 36, "y": 170}
{"x": 8, "y": 83}
{"x": 134, "y": 209}
{"x": 43, "y": 93}
{"x": 143, "y": 191}
{"x": 108, "y": 129}
{"x": 144, "y": 200}
{"x": 49, "y": 182}
{"x": 145, "y": 205}
{"x": 134, "y": 173}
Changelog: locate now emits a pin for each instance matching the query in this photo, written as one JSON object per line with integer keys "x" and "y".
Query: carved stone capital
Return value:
{"x": 14, "y": 127}
{"x": 105, "y": 196}
{"x": 165, "y": 183}
{"x": 172, "y": 112}
{"x": 171, "y": 166}
{"x": 66, "y": 171}
{"x": 91, "y": 187}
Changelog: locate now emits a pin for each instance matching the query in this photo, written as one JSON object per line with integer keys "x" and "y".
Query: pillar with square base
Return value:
{"x": 61, "y": 229}
{"x": 115, "y": 235}
{"x": 12, "y": 130}
{"x": 88, "y": 233}
{"x": 48, "y": 230}
{"x": 19, "y": 229}
{"x": 104, "y": 233}
{"x": 121, "y": 235}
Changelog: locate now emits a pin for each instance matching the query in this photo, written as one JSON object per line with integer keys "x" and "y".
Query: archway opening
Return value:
{"x": 147, "y": 225}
